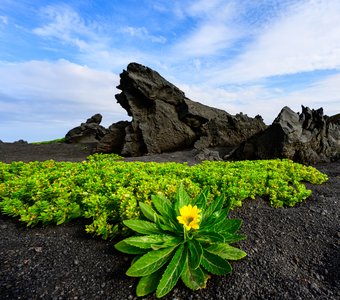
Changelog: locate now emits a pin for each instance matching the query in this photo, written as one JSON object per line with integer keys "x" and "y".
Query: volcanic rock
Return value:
{"x": 87, "y": 133}
{"x": 309, "y": 137}
{"x": 113, "y": 140}
{"x": 164, "y": 119}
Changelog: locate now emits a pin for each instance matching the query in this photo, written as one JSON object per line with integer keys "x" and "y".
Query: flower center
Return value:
{"x": 190, "y": 219}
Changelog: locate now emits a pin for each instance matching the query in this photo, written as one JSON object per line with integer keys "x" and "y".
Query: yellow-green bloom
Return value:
{"x": 190, "y": 217}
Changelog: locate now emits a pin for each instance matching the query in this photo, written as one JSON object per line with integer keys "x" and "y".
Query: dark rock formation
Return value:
{"x": 164, "y": 120}
{"x": 113, "y": 140}
{"x": 87, "y": 133}
{"x": 309, "y": 137}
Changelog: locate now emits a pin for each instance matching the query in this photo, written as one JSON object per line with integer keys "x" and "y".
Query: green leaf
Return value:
{"x": 143, "y": 227}
{"x": 182, "y": 199}
{"x": 201, "y": 200}
{"x": 215, "y": 264}
{"x": 148, "y": 211}
{"x": 193, "y": 278}
{"x": 226, "y": 251}
{"x": 148, "y": 241}
{"x": 215, "y": 205}
{"x": 171, "y": 242}
{"x": 124, "y": 247}
{"x": 172, "y": 272}
{"x": 150, "y": 262}
{"x": 148, "y": 284}
{"x": 163, "y": 206}
{"x": 195, "y": 253}
{"x": 232, "y": 237}
{"x": 228, "y": 225}
{"x": 217, "y": 217}
{"x": 210, "y": 237}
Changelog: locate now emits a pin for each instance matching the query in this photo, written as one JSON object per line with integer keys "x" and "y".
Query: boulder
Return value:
{"x": 113, "y": 140}
{"x": 308, "y": 137}
{"x": 165, "y": 120}
{"x": 90, "y": 132}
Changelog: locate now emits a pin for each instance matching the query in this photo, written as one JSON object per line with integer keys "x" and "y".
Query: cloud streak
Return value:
{"x": 305, "y": 38}
{"x": 59, "y": 94}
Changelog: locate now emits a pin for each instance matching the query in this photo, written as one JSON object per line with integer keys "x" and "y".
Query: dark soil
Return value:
{"x": 293, "y": 253}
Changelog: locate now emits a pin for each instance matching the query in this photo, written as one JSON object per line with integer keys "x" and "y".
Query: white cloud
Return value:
{"x": 258, "y": 99}
{"x": 213, "y": 31}
{"x": 143, "y": 33}
{"x": 305, "y": 38}
{"x": 4, "y": 20}
{"x": 65, "y": 24}
{"x": 59, "y": 93}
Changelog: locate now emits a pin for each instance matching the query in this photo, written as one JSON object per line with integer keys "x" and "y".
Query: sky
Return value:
{"x": 60, "y": 60}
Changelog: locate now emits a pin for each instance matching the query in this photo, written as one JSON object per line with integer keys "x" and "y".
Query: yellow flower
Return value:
{"x": 190, "y": 217}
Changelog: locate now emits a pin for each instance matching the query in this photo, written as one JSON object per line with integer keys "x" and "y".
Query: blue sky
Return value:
{"x": 60, "y": 60}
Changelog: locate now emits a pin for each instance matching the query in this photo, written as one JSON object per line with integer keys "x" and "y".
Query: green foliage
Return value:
{"x": 109, "y": 191}
{"x": 174, "y": 252}
{"x": 61, "y": 140}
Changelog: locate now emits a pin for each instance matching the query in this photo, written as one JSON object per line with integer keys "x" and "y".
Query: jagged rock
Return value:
{"x": 87, "y": 133}
{"x": 164, "y": 120}
{"x": 95, "y": 119}
{"x": 20, "y": 142}
{"x": 207, "y": 154}
{"x": 309, "y": 137}
{"x": 113, "y": 140}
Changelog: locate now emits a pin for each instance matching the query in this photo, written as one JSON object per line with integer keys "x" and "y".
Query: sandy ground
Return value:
{"x": 293, "y": 253}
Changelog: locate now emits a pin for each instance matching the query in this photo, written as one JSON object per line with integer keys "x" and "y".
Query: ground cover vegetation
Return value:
{"x": 180, "y": 212}
{"x": 108, "y": 190}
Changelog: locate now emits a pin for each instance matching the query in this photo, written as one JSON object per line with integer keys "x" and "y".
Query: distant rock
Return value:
{"x": 309, "y": 138}
{"x": 164, "y": 119}
{"x": 20, "y": 142}
{"x": 87, "y": 133}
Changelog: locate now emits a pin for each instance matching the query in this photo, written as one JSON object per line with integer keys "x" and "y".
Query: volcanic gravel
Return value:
{"x": 293, "y": 253}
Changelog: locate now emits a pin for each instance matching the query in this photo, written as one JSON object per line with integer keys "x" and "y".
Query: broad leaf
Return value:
{"x": 162, "y": 204}
{"x": 164, "y": 207}
{"x": 147, "y": 241}
{"x": 226, "y": 251}
{"x": 201, "y": 200}
{"x": 232, "y": 237}
{"x": 124, "y": 247}
{"x": 148, "y": 284}
{"x": 215, "y": 205}
{"x": 150, "y": 262}
{"x": 215, "y": 219}
{"x": 148, "y": 211}
{"x": 194, "y": 278}
{"x": 172, "y": 272}
{"x": 195, "y": 253}
{"x": 143, "y": 227}
{"x": 215, "y": 264}
{"x": 171, "y": 242}
{"x": 228, "y": 225}
{"x": 210, "y": 237}
{"x": 182, "y": 199}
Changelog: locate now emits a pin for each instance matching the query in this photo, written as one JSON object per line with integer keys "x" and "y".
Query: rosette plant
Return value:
{"x": 187, "y": 239}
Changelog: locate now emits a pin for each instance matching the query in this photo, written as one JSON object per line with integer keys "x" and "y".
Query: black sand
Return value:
{"x": 293, "y": 253}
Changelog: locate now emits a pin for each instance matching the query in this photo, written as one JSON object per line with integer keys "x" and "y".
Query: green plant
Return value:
{"x": 107, "y": 190}
{"x": 188, "y": 239}
{"x": 61, "y": 140}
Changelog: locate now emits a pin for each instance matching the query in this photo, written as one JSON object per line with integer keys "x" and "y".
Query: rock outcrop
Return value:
{"x": 113, "y": 140}
{"x": 309, "y": 137}
{"x": 164, "y": 119}
{"x": 90, "y": 132}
